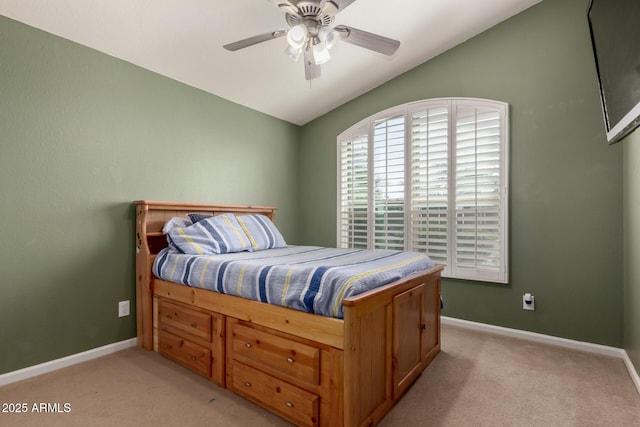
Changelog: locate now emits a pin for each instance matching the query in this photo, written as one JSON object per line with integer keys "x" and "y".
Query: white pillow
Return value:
{"x": 175, "y": 222}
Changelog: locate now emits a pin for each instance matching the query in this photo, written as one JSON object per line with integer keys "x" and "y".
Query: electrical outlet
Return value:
{"x": 528, "y": 302}
{"x": 123, "y": 308}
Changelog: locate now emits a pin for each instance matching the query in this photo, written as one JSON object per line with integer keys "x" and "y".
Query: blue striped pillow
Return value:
{"x": 196, "y": 217}
{"x": 262, "y": 233}
{"x": 218, "y": 234}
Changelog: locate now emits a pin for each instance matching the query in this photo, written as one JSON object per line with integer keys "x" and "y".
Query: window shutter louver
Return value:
{"x": 354, "y": 190}
{"x": 430, "y": 182}
{"x": 388, "y": 183}
{"x": 478, "y": 191}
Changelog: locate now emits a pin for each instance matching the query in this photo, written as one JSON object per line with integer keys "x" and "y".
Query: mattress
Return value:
{"x": 307, "y": 278}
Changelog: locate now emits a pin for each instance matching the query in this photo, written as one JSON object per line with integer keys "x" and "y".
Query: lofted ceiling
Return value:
{"x": 182, "y": 39}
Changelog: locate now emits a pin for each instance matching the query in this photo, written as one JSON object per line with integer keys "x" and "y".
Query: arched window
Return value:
{"x": 430, "y": 176}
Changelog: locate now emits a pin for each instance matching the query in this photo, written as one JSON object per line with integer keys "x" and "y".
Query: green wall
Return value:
{"x": 82, "y": 135}
{"x": 631, "y": 149}
{"x": 566, "y": 182}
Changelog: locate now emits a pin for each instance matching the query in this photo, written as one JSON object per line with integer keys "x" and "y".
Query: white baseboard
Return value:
{"x": 551, "y": 340}
{"x": 53, "y": 365}
{"x": 632, "y": 371}
{"x": 535, "y": 337}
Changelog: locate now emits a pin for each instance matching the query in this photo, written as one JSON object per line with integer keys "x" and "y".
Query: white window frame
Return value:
{"x": 453, "y": 268}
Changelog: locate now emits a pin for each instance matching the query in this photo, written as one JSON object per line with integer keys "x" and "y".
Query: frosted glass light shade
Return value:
{"x": 293, "y": 52}
{"x": 331, "y": 39}
{"x": 328, "y": 37}
{"x": 320, "y": 53}
{"x": 297, "y": 36}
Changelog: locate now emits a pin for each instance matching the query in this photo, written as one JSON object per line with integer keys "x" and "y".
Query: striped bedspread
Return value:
{"x": 306, "y": 278}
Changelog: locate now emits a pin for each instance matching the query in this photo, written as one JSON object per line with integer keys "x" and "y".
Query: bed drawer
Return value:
{"x": 189, "y": 354}
{"x": 291, "y": 402}
{"x": 177, "y": 318}
{"x": 262, "y": 349}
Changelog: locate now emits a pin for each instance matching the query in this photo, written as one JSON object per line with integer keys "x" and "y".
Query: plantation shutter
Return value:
{"x": 429, "y": 178}
{"x": 354, "y": 192}
{"x": 479, "y": 193}
{"x": 388, "y": 183}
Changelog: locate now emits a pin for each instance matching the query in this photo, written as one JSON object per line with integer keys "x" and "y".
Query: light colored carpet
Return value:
{"x": 478, "y": 379}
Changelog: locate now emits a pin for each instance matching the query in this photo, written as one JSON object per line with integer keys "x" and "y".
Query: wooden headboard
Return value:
{"x": 150, "y": 218}
{"x": 152, "y": 215}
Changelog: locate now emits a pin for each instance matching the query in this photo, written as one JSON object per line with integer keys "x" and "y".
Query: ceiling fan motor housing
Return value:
{"x": 311, "y": 10}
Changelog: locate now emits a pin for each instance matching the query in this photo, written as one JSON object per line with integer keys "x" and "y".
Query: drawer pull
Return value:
{"x": 289, "y": 404}
{"x": 194, "y": 325}
{"x": 290, "y": 360}
{"x": 193, "y": 358}
{"x": 248, "y": 345}
{"x": 247, "y": 384}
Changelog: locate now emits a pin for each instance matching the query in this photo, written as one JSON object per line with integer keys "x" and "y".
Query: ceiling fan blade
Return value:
{"x": 286, "y": 6}
{"x": 332, "y": 7}
{"x": 368, "y": 40}
{"x": 311, "y": 69}
{"x": 342, "y": 3}
{"x": 329, "y": 7}
{"x": 241, "y": 44}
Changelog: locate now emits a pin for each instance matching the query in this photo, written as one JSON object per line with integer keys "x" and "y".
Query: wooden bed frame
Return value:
{"x": 309, "y": 369}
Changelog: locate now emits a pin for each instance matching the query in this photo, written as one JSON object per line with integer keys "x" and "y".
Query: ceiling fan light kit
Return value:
{"x": 309, "y": 33}
{"x": 328, "y": 37}
{"x": 293, "y": 53}
{"x": 320, "y": 53}
{"x": 297, "y": 36}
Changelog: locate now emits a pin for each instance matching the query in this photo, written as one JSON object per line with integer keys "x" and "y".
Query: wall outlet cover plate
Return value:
{"x": 123, "y": 308}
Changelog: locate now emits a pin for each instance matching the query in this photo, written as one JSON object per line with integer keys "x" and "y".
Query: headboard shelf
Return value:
{"x": 204, "y": 207}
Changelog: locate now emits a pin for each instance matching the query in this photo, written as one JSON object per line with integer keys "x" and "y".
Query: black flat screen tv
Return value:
{"x": 615, "y": 37}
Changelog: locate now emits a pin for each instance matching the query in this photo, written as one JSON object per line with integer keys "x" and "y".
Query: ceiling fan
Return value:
{"x": 310, "y": 34}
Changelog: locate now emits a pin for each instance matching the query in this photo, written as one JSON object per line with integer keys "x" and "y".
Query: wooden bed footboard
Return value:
{"x": 311, "y": 370}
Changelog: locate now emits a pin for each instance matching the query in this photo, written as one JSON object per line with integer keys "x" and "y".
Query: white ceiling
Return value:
{"x": 182, "y": 39}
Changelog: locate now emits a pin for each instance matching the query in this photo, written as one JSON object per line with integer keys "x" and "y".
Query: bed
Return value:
{"x": 340, "y": 362}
